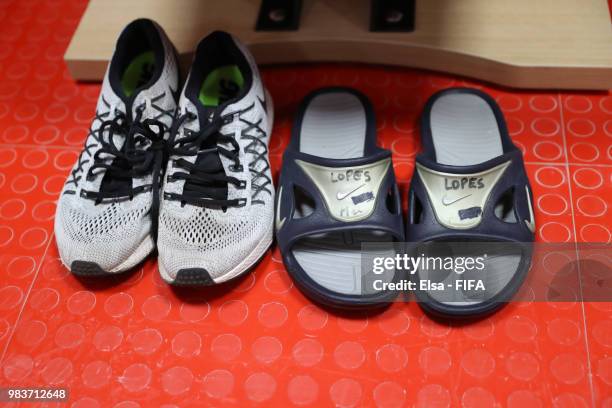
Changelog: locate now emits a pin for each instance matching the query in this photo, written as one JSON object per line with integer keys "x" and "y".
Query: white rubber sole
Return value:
{"x": 258, "y": 252}
{"x": 144, "y": 249}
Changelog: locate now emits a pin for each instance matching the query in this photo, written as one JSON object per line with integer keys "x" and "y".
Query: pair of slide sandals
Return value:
{"x": 338, "y": 191}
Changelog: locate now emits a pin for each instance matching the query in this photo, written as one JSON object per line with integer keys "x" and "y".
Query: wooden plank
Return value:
{"x": 565, "y": 44}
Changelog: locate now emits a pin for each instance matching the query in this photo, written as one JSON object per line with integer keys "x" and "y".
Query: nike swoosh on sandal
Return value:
{"x": 447, "y": 203}
{"x": 341, "y": 196}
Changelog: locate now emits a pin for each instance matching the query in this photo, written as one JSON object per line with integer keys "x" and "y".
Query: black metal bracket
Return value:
{"x": 392, "y": 15}
{"x": 279, "y": 15}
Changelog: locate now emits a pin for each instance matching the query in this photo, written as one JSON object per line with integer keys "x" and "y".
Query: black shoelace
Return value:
{"x": 145, "y": 151}
{"x": 202, "y": 180}
{"x": 260, "y": 181}
{"x": 142, "y": 153}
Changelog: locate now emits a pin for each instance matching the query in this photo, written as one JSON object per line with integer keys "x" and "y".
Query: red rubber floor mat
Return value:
{"x": 133, "y": 341}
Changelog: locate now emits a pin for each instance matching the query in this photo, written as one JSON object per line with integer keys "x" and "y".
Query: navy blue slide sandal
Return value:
{"x": 337, "y": 190}
{"x": 469, "y": 197}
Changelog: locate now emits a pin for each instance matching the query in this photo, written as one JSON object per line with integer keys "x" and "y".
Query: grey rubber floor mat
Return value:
{"x": 334, "y": 127}
{"x": 465, "y": 132}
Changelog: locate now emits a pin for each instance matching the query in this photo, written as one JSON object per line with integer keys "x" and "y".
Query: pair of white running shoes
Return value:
{"x": 187, "y": 173}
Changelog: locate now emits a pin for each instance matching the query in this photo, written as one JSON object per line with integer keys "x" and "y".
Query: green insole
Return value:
{"x": 138, "y": 72}
{"x": 221, "y": 85}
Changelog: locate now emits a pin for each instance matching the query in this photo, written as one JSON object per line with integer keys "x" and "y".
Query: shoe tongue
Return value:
{"x": 120, "y": 185}
{"x": 137, "y": 99}
{"x": 206, "y": 114}
{"x": 133, "y": 101}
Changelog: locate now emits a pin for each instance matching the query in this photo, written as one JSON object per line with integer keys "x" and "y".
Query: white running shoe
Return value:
{"x": 216, "y": 216}
{"x": 107, "y": 212}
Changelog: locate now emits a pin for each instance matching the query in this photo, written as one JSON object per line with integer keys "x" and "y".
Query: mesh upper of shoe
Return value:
{"x": 110, "y": 225}
{"x": 107, "y": 234}
{"x": 210, "y": 238}
{"x": 113, "y": 233}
